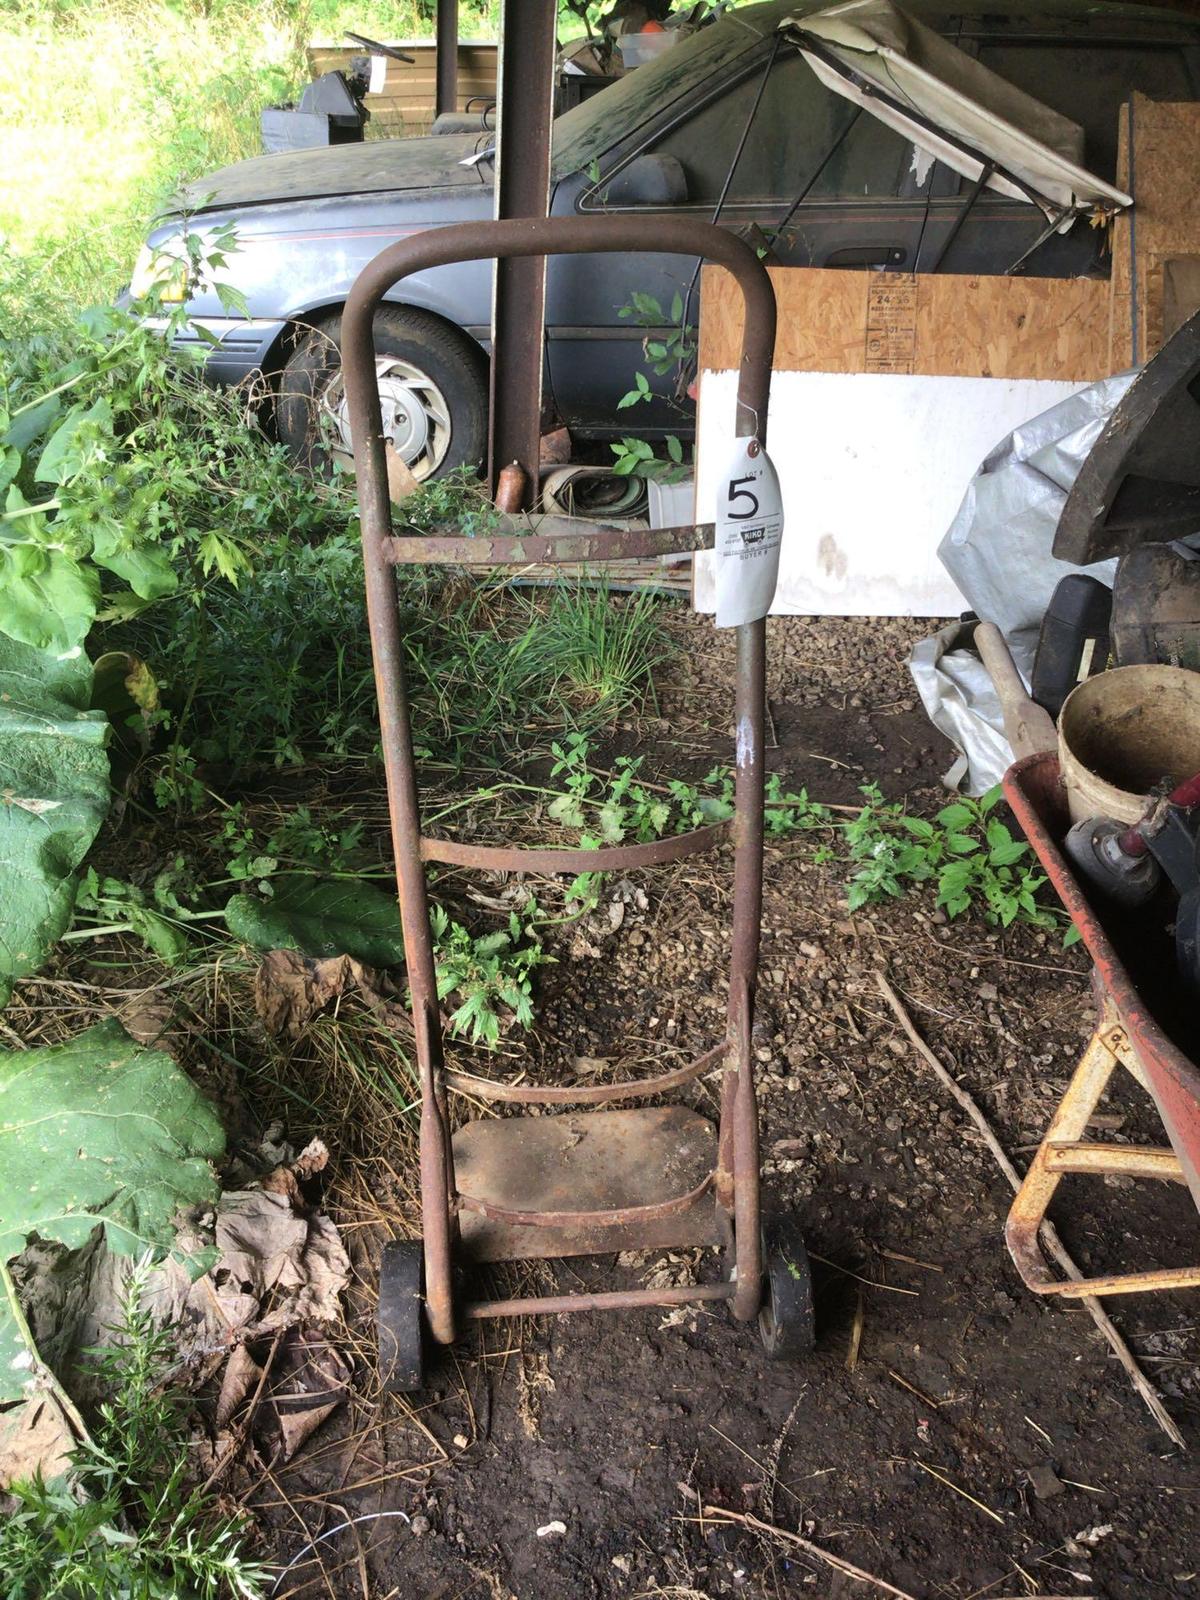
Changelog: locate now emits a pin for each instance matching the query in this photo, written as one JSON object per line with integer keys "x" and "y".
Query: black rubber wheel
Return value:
{"x": 786, "y": 1323}
{"x": 432, "y": 387}
{"x": 401, "y": 1318}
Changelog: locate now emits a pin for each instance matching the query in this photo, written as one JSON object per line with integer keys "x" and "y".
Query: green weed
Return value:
{"x": 969, "y": 854}
{"x": 127, "y": 1521}
{"x": 671, "y": 351}
{"x": 490, "y": 975}
{"x": 277, "y": 672}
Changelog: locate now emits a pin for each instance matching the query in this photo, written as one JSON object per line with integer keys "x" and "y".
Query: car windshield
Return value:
{"x": 588, "y": 130}
{"x": 584, "y": 133}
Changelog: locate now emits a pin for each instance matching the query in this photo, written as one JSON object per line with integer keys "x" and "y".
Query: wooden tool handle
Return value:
{"x": 1029, "y": 729}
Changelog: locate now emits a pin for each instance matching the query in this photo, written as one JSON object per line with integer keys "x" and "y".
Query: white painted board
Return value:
{"x": 872, "y": 468}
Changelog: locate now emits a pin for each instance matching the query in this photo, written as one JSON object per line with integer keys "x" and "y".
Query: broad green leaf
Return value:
{"x": 956, "y": 817}
{"x": 146, "y": 568}
{"x": 101, "y": 1132}
{"x": 63, "y": 455}
{"x": 1003, "y": 849}
{"x": 47, "y": 599}
{"x": 31, "y": 422}
{"x": 167, "y": 941}
{"x": 54, "y": 794}
{"x": 612, "y": 822}
{"x": 321, "y": 918}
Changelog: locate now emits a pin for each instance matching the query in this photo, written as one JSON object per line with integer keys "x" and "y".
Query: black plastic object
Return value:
{"x": 1187, "y": 941}
{"x": 1176, "y": 848}
{"x": 1156, "y": 607}
{"x": 330, "y": 112}
{"x": 1073, "y": 643}
{"x": 1094, "y": 847}
{"x": 786, "y": 1322}
{"x": 401, "y": 1318}
{"x": 1140, "y": 482}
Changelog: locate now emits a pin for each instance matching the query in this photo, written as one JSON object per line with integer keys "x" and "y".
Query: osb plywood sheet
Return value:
{"x": 1162, "y": 229}
{"x": 931, "y": 325}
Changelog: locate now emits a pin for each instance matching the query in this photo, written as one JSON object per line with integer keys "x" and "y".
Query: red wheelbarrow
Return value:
{"x": 1126, "y": 1035}
{"x": 592, "y": 1182}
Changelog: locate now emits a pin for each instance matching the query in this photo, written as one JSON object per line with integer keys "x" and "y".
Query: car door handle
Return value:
{"x": 868, "y": 255}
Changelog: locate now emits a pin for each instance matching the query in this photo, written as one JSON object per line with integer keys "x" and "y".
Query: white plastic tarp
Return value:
{"x": 880, "y": 58}
{"x": 999, "y": 551}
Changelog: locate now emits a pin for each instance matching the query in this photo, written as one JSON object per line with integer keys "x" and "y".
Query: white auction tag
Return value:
{"x": 748, "y": 535}
{"x": 378, "y": 74}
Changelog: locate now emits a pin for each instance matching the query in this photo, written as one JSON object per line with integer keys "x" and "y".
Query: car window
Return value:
{"x": 1089, "y": 82}
{"x": 796, "y": 123}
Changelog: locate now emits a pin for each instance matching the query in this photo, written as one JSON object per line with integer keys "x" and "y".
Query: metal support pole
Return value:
{"x": 528, "y": 49}
{"x": 447, "y": 56}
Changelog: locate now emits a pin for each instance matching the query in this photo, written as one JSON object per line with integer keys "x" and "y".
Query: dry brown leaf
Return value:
{"x": 147, "y": 1017}
{"x": 400, "y": 477}
{"x": 35, "y": 1436}
{"x": 290, "y": 989}
{"x": 315, "y": 1381}
{"x": 239, "y": 1379}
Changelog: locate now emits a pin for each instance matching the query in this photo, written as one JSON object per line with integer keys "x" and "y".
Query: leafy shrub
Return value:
{"x": 124, "y": 465}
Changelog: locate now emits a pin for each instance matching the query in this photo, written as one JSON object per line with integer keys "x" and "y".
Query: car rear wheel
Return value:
{"x": 432, "y": 391}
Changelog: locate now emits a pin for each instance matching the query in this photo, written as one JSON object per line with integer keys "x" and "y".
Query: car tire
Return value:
{"x": 433, "y": 388}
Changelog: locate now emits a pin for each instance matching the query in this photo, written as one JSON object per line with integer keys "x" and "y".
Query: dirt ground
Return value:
{"x": 951, "y": 1434}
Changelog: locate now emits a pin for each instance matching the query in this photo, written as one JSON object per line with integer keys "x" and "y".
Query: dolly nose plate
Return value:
{"x": 653, "y": 1165}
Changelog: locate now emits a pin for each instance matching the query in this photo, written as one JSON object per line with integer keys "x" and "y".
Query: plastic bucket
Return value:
{"x": 1121, "y": 733}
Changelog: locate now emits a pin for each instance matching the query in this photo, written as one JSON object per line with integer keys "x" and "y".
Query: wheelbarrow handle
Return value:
{"x": 1029, "y": 729}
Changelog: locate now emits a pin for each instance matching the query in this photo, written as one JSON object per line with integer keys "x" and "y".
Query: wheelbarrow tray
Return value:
{"x": 1034, "y": 790}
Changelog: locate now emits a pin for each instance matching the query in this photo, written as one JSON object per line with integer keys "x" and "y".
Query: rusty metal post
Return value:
{"x": 524, "y": 117}
{"x": 743, "y": 970}
{"x": 446, "y": 98}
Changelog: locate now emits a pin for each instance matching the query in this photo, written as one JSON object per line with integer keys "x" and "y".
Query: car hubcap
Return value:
{"x": 416, "y": 417}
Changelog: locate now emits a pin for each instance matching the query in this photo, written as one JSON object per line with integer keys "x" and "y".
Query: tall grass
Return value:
{"x": 110, "y": 105}
{"x": 278, "y": 671}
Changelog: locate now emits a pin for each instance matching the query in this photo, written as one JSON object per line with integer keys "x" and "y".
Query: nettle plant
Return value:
{"x": 967, "y": 853}
{"x": 490, "y": 974}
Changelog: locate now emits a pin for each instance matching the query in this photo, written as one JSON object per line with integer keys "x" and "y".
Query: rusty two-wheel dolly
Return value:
{"x": 582, "y": 1182}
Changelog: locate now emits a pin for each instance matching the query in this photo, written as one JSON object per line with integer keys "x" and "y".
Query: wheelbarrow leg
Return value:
{"x": 1063, "y": 1150}
{"x": 1087, "y": 1086}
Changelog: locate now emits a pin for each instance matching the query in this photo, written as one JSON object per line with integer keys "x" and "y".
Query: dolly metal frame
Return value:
{"x": 734, "y": 1181}
{"x": 1126, "y": 1035}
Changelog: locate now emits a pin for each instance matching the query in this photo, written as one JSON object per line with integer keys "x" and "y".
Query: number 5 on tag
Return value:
{"x": 748, "y": 534}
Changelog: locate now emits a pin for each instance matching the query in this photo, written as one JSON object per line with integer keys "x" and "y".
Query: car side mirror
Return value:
{"x": 646, "y": 181}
